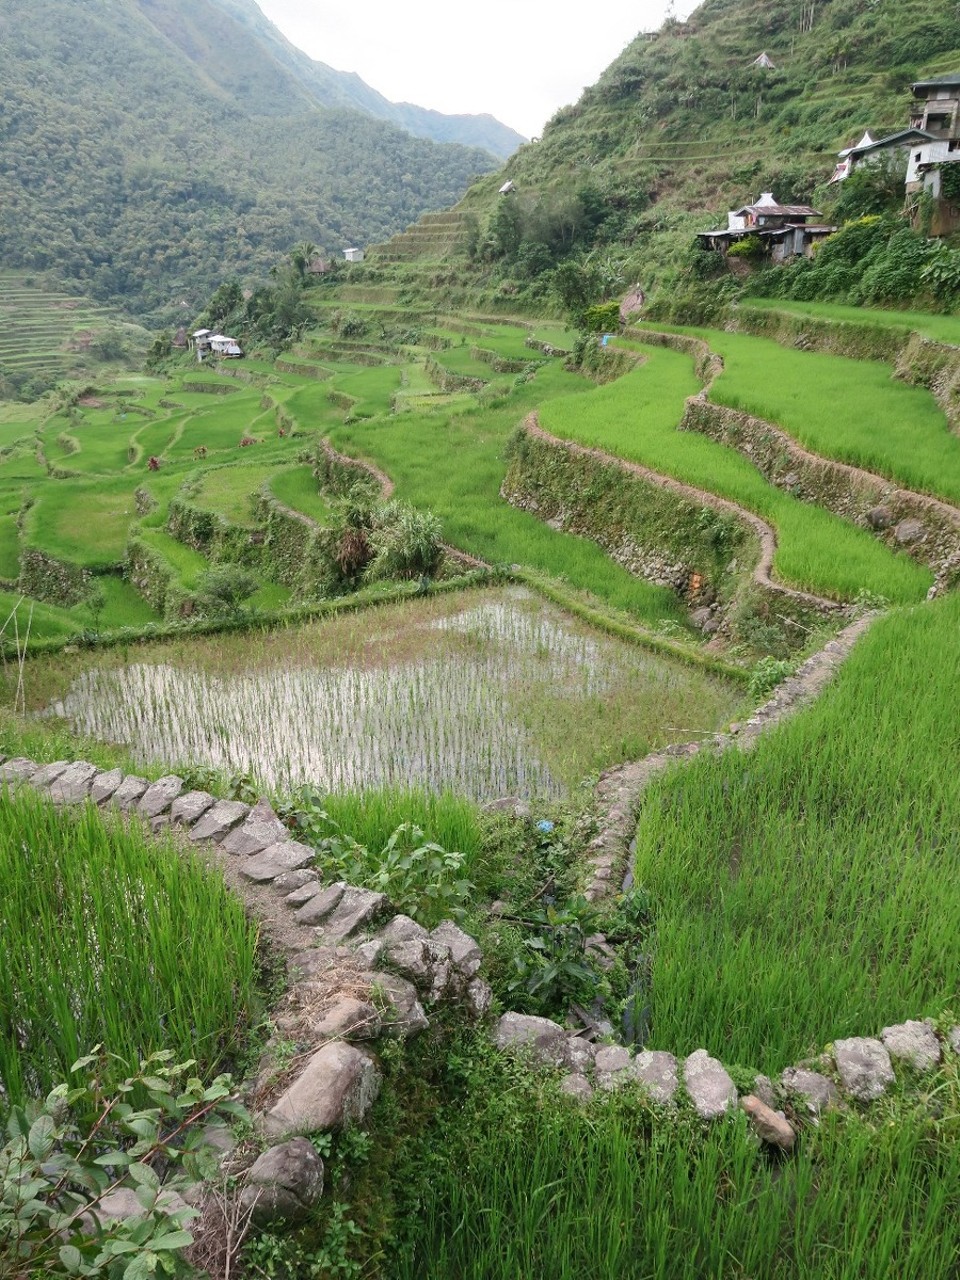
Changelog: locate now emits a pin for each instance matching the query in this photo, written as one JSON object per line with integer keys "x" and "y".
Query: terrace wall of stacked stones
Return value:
{"x": 360, "y": 972}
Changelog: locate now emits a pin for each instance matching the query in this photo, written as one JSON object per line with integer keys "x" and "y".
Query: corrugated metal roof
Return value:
{"x": 780, "y": 210}
{"x": 938, "y": 82}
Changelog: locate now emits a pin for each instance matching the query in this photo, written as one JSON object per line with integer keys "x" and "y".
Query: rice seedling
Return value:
{"x": 473, "y": 695}
{"x": 939, "y": 328}
{"x": 851, "y": 410}
{"x": 810, "y": 890}
{"x": 510, "y": 1179}
{"x": 110, "y": 936}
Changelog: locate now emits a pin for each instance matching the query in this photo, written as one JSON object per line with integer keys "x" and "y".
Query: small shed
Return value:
{"x": 764, "y": 61}
{"x": 506, "y": 188}
{"x": 353, "y": 255}
{"x": 318, "y": 267}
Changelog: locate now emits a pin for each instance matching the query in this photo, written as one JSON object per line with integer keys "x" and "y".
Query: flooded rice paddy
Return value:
{"x": 486, "y": 693}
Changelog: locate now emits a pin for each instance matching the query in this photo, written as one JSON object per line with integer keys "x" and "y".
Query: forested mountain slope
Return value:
{"x": 327, "y": 87}
{"x": 685, "y": 125}
{"x": 148, "y": 150}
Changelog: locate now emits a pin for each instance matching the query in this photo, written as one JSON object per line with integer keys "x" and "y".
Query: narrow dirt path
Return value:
{"x": 620, "y": 790}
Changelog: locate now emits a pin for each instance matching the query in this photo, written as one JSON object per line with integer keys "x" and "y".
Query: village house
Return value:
{"x": 930, "y": 170}
{"x": 318, "y": 267}
{"x": 221, "y": 345}
{"x": 353, "y": 255}
{"x": 895, "y": 147}
{"x": 927, "y": 150}
{"x": 783, "y": 230}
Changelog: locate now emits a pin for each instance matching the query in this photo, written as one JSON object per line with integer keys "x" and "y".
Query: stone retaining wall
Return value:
{"x": 620, "y": 790}
{"x": 853, "y": 1071}
{"x": 927, "y": 529}
{"x": 358, "y": 970}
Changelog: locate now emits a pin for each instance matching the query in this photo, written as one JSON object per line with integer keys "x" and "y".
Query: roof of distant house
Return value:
{"x": 938, "y": 82}
{"x": 770, "y": 208}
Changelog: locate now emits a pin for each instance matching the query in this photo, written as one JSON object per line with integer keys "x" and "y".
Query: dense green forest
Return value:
{"x": 146, "y": 175}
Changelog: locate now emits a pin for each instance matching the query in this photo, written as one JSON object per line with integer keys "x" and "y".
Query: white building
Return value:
{"x": 221, "y": 345}
{"x": 353, "y": 255}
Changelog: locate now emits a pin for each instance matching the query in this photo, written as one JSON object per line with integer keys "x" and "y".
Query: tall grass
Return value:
{"x": 371, "y": 816}
{"x": 812, "y": 889}
{"x": 514, "y": 1182}
{"x": 636, "y": 418}
{"x": 940, "y": 328}
{"x": 109, "y": 936}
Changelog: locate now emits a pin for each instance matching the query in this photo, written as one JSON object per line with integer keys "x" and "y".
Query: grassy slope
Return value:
{"x": 455, "y": 466}
{"x": 636, "y": 417}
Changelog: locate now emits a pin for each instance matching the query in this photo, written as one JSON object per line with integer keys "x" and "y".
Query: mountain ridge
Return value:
{"x": 148, "y": 151}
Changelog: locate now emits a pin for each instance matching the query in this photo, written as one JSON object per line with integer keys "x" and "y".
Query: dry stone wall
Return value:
{"x": 358, "y": 970}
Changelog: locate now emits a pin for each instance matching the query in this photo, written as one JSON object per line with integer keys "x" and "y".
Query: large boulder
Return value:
{"x": 285, "y": 855}
{"x": 261, "y": 828}
{"x": 913, "y": 1042}
{"x": 159, "y": 796}
{"x": 218, "y": 820}
{"x": 73, "y": 785}
{"x": 864, "y": 1067}
{"x": 769, "y": 1125}
{"x": 356, "y": 909}
{"x": 539, "y": 1039}
{"x": 711, "y": 1090}
{"x": 810, "y": 1088}
{"x": 337, "y": 1088}
{"x": 656, "y": 1072}
{"x": 286, "y": 1182}
{"x": 400, "y": 1006}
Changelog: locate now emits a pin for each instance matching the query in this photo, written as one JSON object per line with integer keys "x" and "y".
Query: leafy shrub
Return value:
{"x": 224, "y": 589}
{"x": 602, "y": 318}
{"x": 56, "y": 1172}
{"x": 750, "y": 248}
{"x": 420, "y": 878}
{"x": 404, "y": 542}
{"x": 767, "y": 674}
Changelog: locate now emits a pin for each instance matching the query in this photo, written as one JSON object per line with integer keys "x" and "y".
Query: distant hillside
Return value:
{"x": 683, "y": 126}
{"x": 329, "y": 88}
{"x": 151, "y": 148}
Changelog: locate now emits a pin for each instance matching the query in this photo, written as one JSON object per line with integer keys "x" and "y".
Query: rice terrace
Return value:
{"x": 479, "y": 761}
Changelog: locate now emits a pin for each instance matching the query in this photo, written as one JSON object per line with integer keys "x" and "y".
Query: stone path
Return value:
{"x": 357, "y": 969}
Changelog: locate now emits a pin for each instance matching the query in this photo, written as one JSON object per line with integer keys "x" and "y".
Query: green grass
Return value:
{"x": 939, "y": 328}
{"x": 636, "y": 418}
{"x": 82, "y": 522}
{"x": 297, "y": 487}
{"x": 454, "y": 466}
{"x": 810, "y": 890}
{"x": 510, "y": 1180}
{"x": 372, "y": 815}
{"x": 851, "y": 410}
{"x": 372, "y": 390}
{"x": 112, "y": 937}
{"x": 231, "y": 491}
{"x": 9, "y": 548}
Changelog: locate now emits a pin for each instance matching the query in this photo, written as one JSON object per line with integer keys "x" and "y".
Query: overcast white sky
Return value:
{"x": 519, "y": 60}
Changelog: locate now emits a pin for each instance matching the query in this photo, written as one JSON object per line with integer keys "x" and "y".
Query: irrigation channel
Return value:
{"x": 487, "y": 694}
